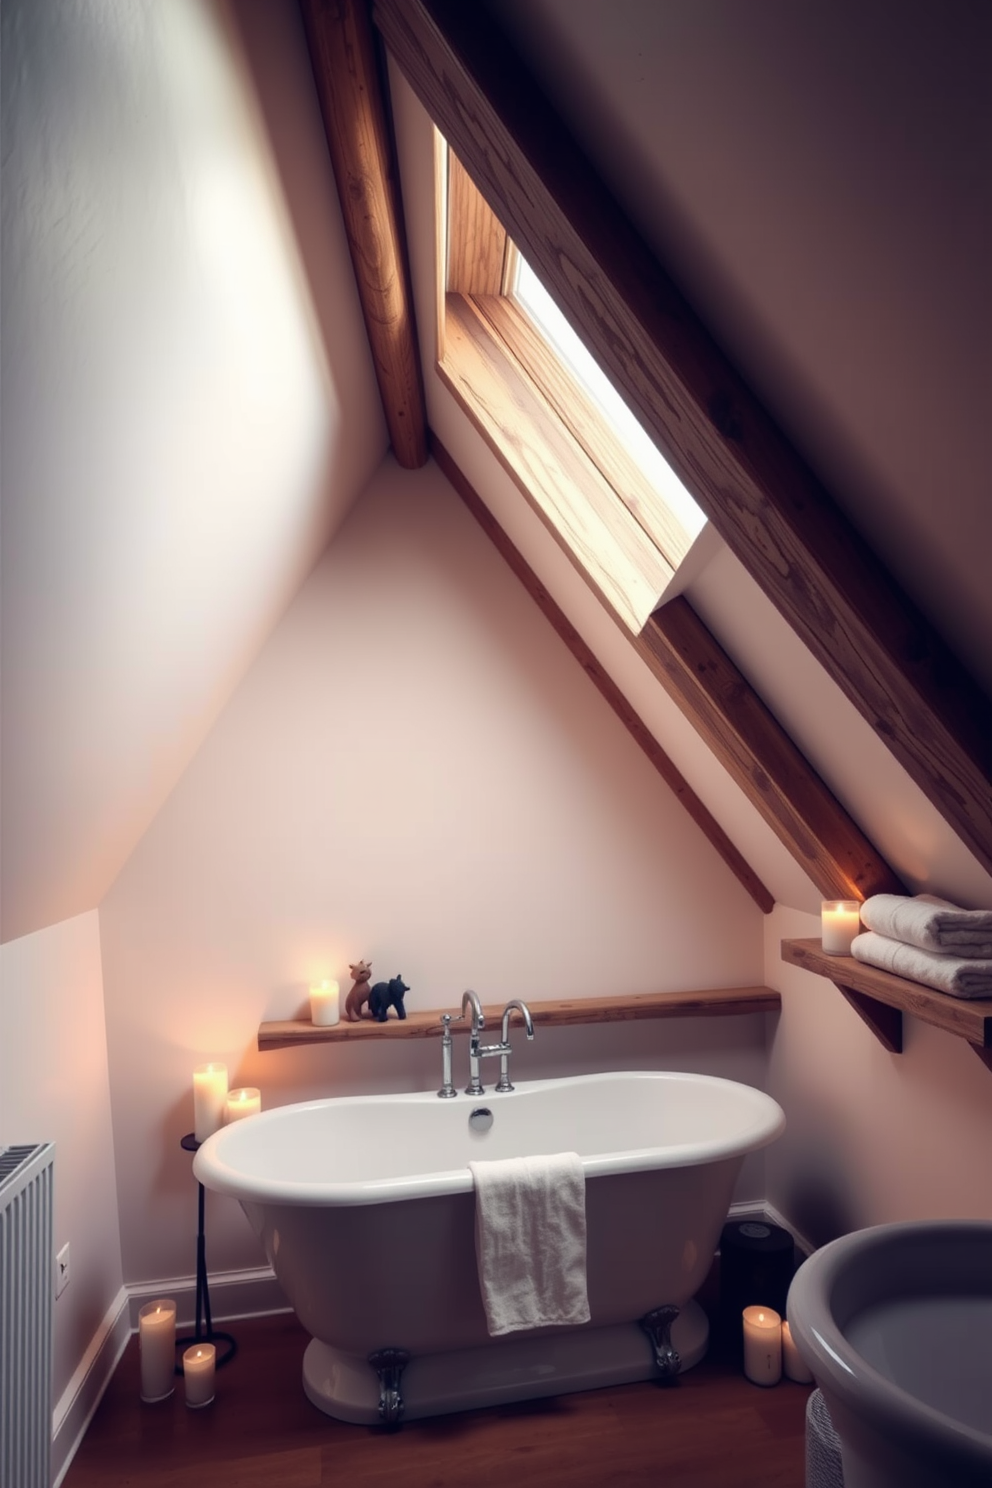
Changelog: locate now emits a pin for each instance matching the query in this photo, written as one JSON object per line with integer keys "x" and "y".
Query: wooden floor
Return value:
{"x": 710, "y": 1429}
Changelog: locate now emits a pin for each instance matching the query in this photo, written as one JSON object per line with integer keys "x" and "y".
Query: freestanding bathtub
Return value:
{"x": 365, "y": 1208}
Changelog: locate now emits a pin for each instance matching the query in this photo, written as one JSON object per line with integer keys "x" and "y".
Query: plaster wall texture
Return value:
{"x": 55, "y": 1087}
{"x": 184, "y": 421}
{"x": 415, "y": 771}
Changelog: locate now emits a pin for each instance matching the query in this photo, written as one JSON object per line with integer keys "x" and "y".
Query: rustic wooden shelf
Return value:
{"x": 881, "y": 999}
{"x": 710, "y": 1003}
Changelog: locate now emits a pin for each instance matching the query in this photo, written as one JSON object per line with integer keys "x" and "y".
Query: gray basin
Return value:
{"x": 895, "y": 1323}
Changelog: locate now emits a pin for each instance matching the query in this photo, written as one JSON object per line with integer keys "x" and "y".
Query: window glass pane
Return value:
{"x": 538, "y": 304}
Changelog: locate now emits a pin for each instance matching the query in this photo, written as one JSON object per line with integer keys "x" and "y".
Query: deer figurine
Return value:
{"x": 359, "y": 994}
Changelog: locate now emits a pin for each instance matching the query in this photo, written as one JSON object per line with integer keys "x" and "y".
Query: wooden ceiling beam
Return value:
{"x": 343, "y": 56}
{"x": 757, "y": 491}
{"x": 753, "y": 747}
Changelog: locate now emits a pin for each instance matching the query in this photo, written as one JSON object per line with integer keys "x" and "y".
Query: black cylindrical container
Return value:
{"x": 757, "y": 1261}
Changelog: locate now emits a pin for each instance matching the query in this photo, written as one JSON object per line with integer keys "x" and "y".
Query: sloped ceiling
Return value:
{"x": 468, "y": 107}
{"x": 818, "y": 179}
{"x": 189, "y": 407}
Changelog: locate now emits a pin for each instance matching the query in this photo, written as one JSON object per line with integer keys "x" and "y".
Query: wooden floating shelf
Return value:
{"x": 881, "y": 999}
{"x": 712, "y": 1003}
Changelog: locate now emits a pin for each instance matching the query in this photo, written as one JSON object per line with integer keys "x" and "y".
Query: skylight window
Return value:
{"x": 576, "y": 452}
{"x": 534, "y": 299}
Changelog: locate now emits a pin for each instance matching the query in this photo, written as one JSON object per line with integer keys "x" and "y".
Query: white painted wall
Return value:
{"x": 185, "y": 420}
{"x": 872, "y": 1136}
{"x": 415, "y": 770}
{"x": 54, "y": 1087}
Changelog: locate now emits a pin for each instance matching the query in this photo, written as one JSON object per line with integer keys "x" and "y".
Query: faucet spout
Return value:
{"x": 524, "y": 1011}
{"x": 471, "y": 1000}
{"x": 503, "y": 1047}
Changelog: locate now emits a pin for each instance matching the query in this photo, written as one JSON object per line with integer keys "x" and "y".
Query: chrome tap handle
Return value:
{"x": 447, "y": 1087}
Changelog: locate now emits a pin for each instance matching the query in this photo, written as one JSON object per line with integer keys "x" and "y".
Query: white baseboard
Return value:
{"x": 252, "y": 1292}
{"x": 233, "y": 1294}
{"x": 81, "y": 1396}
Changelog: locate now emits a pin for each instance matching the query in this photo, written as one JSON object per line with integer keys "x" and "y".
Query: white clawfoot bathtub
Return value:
{"x": 365, "y": 1208}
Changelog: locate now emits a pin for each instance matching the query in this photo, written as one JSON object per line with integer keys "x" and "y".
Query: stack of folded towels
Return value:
{"x": 928, "y": 940}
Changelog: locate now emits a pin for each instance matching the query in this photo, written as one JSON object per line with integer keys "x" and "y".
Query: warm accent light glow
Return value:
{"x": 157, "y": 1348}
{"x": 840, "y": 921}
{"x": 244, "y": 1102}
{"x": 199, "y": 1365}
{"x": 325, "y": 1009}
{"x": 209, "y": 1099}
{"x": 762, "y": 1345}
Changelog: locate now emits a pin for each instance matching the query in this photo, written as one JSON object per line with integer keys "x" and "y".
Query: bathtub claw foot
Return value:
{"x": 389, "y": 1364}
{"x": 657, "y": 1324}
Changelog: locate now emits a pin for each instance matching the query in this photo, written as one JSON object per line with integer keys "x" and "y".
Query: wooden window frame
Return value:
{"x": 547, "y": 432}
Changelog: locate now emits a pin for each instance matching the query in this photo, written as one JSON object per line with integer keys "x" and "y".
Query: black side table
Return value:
{"x": 204, "y": 1331}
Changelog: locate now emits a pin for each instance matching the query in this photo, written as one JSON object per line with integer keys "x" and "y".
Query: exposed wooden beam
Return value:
{"x": 761, "y": 497}
{"x": 342, "y": 53}
{"x": 749, "y": 741}
{"x": 510, "y": 413}
{"x": 706, "y": 823}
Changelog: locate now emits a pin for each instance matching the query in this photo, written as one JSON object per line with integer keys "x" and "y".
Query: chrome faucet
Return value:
{"x": 504, "y": 1046}
{"x": 477, "y": 1053}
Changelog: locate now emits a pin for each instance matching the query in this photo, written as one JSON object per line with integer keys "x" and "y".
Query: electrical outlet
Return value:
{"x": 62, "y": 1270}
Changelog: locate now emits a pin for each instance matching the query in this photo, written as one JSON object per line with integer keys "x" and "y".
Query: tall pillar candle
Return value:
{"x": 840, "y": 922}
{"x": 325, "y": 1007}
{"x": 209, "y": 1099}
{"x": 762, "y": 1345}
{"x": 157, "y": 1349}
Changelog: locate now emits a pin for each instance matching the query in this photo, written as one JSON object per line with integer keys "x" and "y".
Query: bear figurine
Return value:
{"x": 385, "y": 995}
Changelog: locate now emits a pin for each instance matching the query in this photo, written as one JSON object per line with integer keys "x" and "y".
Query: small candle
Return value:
{"x": 157, "y": 1348}
{"x": 792, "y": 1363}
{"x": 762, "y": 1345}
{"x": 840, "y": 922}
{"x": 324, "y": 1004}
{"x": 209, "y": 1099}
{"x": 199, "y": 1363}
{"x": 244, "y": 1102}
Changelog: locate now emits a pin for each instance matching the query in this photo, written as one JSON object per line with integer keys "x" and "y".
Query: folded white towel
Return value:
{"x": 955, "y": 975}
{"x": 530, "y": 1241}
{"x": 932, "y": 924}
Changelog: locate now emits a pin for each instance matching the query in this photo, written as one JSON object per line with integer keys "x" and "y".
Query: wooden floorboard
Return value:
{"x": 711, "y": 1429}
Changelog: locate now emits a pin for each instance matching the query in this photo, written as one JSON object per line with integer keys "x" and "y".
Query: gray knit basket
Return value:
{"x": 824, "y": 1467}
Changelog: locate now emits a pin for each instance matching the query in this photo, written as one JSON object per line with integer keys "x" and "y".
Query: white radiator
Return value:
{"x": 26, "y": 1285}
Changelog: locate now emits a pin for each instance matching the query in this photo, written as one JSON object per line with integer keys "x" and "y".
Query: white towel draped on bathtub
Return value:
{"x": 955, "y": 975}
{"x": 930, "y": 923}
{"x": 530, "y": 1241}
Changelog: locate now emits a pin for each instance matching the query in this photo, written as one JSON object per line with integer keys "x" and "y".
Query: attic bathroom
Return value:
{"x": 277, "y": 696}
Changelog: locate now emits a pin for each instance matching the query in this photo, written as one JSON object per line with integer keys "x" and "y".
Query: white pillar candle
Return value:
{"x": 199, "y": 1365}
{"x": 762, "y": 1345}
{"x": 792, "y": 1363}
{"x": 209, "y": 1099}
{"x": 244, "y": 1102}
{"x": 157, "y": 1347}
{"x": 325, "y": 1004}
{"x": 840, "y": 922}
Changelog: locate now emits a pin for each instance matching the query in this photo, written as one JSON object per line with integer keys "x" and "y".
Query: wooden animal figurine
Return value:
{"x": 385, "y": 995}
{"x": 359, "y": 994}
